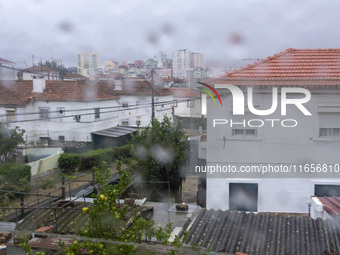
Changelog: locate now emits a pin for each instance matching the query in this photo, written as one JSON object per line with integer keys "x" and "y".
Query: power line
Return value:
{"x": 81, "y": 109}
{"x": 92, "y": 123}
{"x": 92, "y": 113}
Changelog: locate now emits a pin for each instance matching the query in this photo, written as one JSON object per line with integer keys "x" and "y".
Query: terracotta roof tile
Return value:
{"x": 290, "y": 67}
{"x": 39, "y": 69}
{"x": 20, "y": 92}
{"x": 15, "y": 93}
{"x": 185, "y": 93}
{"x": 141, "y": 87}
{"x": 75, "y": 75}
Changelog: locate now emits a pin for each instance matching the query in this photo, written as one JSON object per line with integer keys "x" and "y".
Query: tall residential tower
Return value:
{"x": 87, "y": 63}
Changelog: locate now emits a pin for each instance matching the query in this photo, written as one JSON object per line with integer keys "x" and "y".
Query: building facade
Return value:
{"x": 181, "y": 62}
{"x": 87, "y": 63}
{"x": 274, "y": 161}
{"x": 70, "y": 111}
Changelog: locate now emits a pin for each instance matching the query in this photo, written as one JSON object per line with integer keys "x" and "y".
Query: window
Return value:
{"x": 243, "y": 196}
{"x": 125, "y": 104}
{"x": 329, "y": 123}
{"x": 175, "y": 103}
{"x": 61, "y": 138}
{"x": 44, "y": 112}
{"x": 329, "y": 132}
{"x": 97, "y": 113}
{"x": 190, "y": 103}
{"x": 238, "y": 132}
{"x": 10, "y": 114}
{"x": 240, "y": 128}
{"x": 327, "y": 190}
{"x": 125, "y": 123}
{"x": 60, "y": 111}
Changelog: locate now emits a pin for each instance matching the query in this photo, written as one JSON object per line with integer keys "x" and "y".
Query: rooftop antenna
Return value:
{"x": 33, "y": 62}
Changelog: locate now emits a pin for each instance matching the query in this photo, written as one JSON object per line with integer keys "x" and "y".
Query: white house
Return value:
{"x": 275, "y": 160}
{"x": 136, "y": 102}
{"x": 67, "y": 111}
{"x": 187, "y": 102}
{"x": 46, "y": 72}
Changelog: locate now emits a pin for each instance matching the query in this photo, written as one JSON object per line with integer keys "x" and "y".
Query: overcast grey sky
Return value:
{"x": 225, "y": 31}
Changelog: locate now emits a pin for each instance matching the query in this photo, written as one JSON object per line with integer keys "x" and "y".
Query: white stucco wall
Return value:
{"x": 185, "y": 109}
{"x": 143, "y": 111}
{"x": 60, "y": 125}
{"x": 66, "y": 126}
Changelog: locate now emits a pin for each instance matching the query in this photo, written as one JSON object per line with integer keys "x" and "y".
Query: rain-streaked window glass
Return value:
{"x": 322, "y": 190}
{"x": 243, "y": 196}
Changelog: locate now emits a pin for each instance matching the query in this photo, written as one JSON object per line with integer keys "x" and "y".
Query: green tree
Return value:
{"x": 60, "y": 68}
{"x": 107, "y": 221}
{"x": 9, "y": 140}
{"x": 160, "y": 151}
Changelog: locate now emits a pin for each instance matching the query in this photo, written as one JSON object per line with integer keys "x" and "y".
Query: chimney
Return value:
{"x": 39, "y": 83}
{"x": 118, "y": 84}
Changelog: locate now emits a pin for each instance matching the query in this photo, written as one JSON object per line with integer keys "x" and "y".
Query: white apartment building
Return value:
{"x": 181, "y": 62}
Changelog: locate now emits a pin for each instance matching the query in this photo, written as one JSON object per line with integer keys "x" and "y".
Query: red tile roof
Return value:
{"x": 331, "y": 205}
{"x": 15, "y": 93}
{"x": 6, "y": 61}
{"x": 294, "y": 67}
{"x": 20, "y": 92}
{"x": 185, "y": 93}
{"x": 40, "y": 69}
{"x": 75, "y": 75}
{"x": 141, "y": 87}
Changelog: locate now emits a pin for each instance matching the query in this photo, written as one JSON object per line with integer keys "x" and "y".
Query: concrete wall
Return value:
{"x": 45, "y": 164}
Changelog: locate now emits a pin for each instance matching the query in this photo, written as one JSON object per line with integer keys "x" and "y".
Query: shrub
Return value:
{"x": 96, "y": 157}
{"x": 93, "y": 158}
{"x": 70, "y": 162}
{"x": 14, "y": 175}
{"x": 122, "y": 152}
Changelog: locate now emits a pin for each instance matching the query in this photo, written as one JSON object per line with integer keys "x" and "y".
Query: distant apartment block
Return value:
{"x": 87, "y": 63}
{"x": 110, "y": 66}
{"x": 197, "y": 60}
{"x": 185, "y": 62}
{"x": 180, "y": 63}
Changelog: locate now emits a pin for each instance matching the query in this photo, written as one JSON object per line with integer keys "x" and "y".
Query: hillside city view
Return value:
{"x": 198, "y": 127}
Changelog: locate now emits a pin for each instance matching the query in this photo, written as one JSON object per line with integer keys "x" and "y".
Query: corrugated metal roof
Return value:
{"x": 331, "y": 205}
{"x": 263, "y": 233}
{"x": 115, "y": 131}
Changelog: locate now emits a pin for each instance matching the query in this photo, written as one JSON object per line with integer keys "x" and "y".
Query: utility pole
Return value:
{"x": 152, "y": 98}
